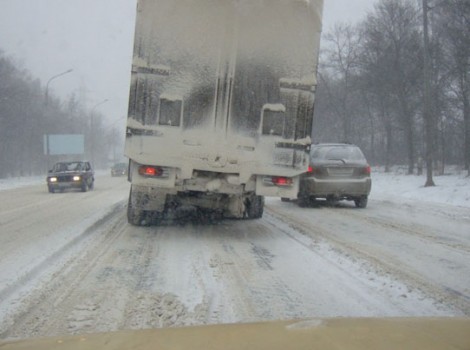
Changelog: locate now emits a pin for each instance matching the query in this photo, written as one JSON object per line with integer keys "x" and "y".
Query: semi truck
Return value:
{"x": 221, "y": 104}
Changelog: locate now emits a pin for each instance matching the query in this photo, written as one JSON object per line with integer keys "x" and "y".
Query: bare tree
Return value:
{"x": 375, "y": 89}
{"x": 391, "y": 47}
{"x": 427, "y": 110}
{"x": 454, "y": 21}
{"x": 341, "y": 60}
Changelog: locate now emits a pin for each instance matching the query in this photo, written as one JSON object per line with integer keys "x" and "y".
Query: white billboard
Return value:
{"x": 64, "y": 144}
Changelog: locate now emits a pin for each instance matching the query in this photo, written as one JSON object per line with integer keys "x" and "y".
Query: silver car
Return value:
{"x": 336, "y": 172}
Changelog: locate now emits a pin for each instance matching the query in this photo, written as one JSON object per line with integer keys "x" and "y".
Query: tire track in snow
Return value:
{"x": 149, "y": 308}
{"x": 250, "y": 287}
{"x": 268, "y": 275}
{"x": 238, "y": 271}
{"x": 36, "y": 271}
{"x": 414, "y": 230}
{"x": 372, "y": 260}
{"x": 38, "y": 313}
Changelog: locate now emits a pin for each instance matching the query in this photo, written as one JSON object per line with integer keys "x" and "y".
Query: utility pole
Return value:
{"x": 427, "y": 110}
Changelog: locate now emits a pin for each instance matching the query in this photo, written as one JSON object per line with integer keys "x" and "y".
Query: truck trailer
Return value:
{"x": 221, "y": 104}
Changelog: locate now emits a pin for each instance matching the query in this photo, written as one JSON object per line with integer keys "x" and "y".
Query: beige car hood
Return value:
{"x": 324, "y": 334}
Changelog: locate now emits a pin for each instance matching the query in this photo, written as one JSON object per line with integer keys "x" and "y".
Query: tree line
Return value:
{"x": 371, "y": 88}
{"x": 28, "y": 112}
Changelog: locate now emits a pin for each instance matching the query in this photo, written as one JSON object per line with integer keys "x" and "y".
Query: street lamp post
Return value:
{"x": 92, "y": 138}
{"x": 46, "y": 102}
{"x": 49, "y": 81}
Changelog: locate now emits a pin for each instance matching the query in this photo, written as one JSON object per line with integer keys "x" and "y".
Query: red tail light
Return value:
{"x": 281, "y": 181}
{"x": 310, "y": 169}
{"x": 153, "y": 171}
{"x": 367, "y": 170}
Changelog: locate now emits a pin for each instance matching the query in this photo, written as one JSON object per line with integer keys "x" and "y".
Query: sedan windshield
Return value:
{"x": 73, "y": 166}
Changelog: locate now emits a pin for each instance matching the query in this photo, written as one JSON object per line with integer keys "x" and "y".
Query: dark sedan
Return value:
{"x": 66, "y": 175}
{"x": 119, "y": 169}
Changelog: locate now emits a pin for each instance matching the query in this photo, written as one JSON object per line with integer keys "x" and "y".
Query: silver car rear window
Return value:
{"x": 347, "y": 153}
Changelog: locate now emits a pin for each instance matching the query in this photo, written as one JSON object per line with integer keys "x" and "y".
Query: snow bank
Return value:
{"x": 396, "y": 186}
{"x": 16, "y": 182}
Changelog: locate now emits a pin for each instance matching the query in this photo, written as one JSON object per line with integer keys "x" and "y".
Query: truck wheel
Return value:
{"x": 361, "y": 202}
{"x": 135, "y": 215}
{"x": 51, "y": 189}
{"x": 84, "y": 187}
{"x": 255, "y": 207}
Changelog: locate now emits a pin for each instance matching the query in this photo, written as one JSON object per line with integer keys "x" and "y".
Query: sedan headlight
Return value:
{"x": 76, "y": 178}
{"x": 52, "y": 179}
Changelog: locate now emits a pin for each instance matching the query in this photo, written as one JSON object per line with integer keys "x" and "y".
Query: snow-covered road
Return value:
{"x": 70, "y": 263}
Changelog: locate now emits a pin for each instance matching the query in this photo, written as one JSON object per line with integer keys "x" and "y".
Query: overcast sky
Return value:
{"x": 94, "y": 38}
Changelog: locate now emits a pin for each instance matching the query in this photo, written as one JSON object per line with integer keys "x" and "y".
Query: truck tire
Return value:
{"x": 84, "y": 186}
{"x": 255, "y": 207}
{"x": 135, "y": 215}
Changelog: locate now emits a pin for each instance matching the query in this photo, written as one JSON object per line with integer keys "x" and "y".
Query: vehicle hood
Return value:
{"x": 325, "y": 334}
{"x": 73, "y": 172}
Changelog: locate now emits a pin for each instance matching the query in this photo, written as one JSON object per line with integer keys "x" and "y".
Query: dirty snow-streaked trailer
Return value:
{"x": 225, "y": 86}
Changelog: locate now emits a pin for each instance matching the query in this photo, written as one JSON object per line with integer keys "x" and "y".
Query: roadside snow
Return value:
{"x": 396, "y": 186}
{"x": 17, "y": 182}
